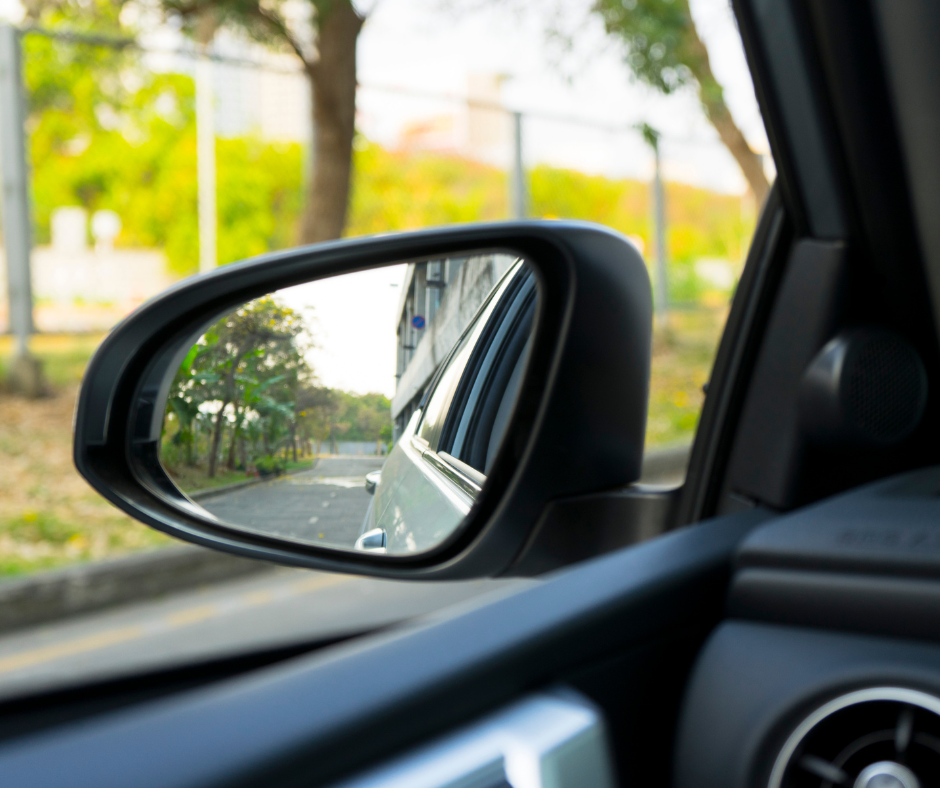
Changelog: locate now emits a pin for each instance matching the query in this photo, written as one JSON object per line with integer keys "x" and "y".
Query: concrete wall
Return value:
{"x": 464, "y": 294}
{"x": 89, "y": 290}
{"x": 359, "y": 447}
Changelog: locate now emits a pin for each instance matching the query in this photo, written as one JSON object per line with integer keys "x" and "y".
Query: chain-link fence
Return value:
{"x": 126, "y": 168}
{"x": 147, "y": 165}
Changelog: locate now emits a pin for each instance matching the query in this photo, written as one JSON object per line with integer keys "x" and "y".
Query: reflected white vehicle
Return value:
{"x": 438, "y": 466}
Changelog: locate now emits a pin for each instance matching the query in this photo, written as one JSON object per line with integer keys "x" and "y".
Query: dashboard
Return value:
{"x": 826, "y": 671}
{"x": 753, "y": 650}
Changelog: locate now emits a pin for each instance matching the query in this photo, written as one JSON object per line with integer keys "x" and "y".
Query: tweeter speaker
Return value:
{"x": 866, "y": 387}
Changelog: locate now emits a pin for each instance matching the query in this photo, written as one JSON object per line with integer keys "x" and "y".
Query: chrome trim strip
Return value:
{"x": 470, "y": 472}
{"x": 464, "y": 483}
{"x": 898, "y": 694}
{"x": 544, "y": 741}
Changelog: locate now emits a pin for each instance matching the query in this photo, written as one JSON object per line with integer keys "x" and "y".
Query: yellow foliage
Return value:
{"x": 402, "y": 191}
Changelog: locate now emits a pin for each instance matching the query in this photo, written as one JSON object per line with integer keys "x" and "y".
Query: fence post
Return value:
{"x": 662, "y": 278}
{"x": 25, "y": 370}
{"x": 205, "y": 163}
{"x": 518, "y": 186}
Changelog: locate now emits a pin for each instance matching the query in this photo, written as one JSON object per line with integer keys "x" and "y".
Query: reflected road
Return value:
{"x": 325, "y": 505}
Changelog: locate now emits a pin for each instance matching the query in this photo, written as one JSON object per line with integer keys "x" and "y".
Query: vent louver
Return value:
{"x": 885, "y": 737}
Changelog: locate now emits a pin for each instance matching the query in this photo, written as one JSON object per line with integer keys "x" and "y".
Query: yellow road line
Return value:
{"x": 319, "y": 581}
{"x": 69, "y": 648}
{"x": 181, "y": 618}
{"x": 258, "y": 598}
{"x": 191, "y": 615}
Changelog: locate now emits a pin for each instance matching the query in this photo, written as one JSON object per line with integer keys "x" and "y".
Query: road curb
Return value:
{"x": 54, "y": 595}
{"x": 83, "y": 588}
{"x": 211, "y": 492}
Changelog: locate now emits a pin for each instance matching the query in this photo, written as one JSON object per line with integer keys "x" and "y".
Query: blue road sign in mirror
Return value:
{"x": 417, "y": 321}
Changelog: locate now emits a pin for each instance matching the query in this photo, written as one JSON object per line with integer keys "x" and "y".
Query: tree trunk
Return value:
{"x": 189, "y": 442}
{"x": 216, "y": 439}
{"x": 333, "y": 86}
{"x": 236, "y": 426}
{"x": 713, "y": 101}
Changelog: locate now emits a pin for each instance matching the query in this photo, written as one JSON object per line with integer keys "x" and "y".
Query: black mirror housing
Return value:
{"x": 578, "y": 426}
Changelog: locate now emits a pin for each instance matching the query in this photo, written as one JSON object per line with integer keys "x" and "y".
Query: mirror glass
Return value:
{"x": 360, "y": 412}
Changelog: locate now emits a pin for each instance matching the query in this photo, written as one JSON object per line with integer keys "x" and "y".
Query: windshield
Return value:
{"x": 143, "y": 146}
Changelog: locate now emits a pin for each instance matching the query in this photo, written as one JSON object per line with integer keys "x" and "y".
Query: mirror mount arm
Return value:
{"x": 578, "y": 528}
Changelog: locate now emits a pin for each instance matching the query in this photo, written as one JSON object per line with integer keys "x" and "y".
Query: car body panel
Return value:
{"x": 417, "y": 507}
{"x": 417, "y": 502}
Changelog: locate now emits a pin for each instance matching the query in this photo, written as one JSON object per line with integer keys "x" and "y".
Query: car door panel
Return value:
{"x": 424, "y": 492}
{"x": 313, "y": 720}
{"x": 422, "y": 509}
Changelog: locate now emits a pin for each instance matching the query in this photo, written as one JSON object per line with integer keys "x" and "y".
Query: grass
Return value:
{"x": 192, "y": 479}
{"x": 683, "y": 354}
{"x": 50, "y": 517}
{"x": 64, "y": 356}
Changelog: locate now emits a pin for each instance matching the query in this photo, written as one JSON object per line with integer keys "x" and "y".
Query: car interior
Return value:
{"x": 772, "y": 622}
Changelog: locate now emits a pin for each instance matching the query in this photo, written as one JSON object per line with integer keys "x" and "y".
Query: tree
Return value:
{"x": 325, "y": 45}
{"x": 240, "y": 362}
{"x": 664, "y": 50}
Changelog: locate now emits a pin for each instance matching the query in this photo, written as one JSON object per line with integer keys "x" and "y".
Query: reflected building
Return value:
{"x": 438, "y": 300}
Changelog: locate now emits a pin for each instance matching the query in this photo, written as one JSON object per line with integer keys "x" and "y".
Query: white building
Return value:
{"x": 478, "y": 129}
{"x": 438, "y": 300}
{"x": 79, "y": 288}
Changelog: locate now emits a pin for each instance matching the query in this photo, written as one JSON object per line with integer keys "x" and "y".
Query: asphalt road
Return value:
{"x": 270, "y": 609}
{"x": 279, "y": 607}
{"x": 325, "y": 505}
{"x": 262, "y": 611}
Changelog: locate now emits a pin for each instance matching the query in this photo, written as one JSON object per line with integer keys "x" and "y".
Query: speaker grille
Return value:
{"x": 885, "y": 388}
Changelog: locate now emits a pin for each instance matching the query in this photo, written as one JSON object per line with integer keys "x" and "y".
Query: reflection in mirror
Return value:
{"x": 360, "y": 412}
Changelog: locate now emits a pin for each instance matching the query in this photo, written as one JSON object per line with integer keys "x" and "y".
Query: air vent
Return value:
{"x": 885, "y": 737}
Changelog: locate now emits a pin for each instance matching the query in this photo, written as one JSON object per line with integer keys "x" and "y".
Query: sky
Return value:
{"x": 429, "y": 46}
{"x": 435, "y": 45}
{"x": 425, "y": 44}
{"x": 353, "y": 328}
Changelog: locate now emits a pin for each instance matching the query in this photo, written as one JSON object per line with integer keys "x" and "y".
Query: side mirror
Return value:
{"x": 521, "y": 360}
{"x": 372, "y": 481}
{"x": 373, "y": 541}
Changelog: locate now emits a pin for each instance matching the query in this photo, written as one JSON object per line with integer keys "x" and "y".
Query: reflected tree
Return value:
{"x": 250, "y": 363}
{"x": 246, "y": 398}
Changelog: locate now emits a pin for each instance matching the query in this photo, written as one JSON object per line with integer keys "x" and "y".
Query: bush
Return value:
{"x": 269, "y": 466}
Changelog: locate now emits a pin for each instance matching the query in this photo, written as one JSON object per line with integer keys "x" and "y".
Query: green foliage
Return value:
{"x": 332, "y": 414}
{"x": 567, "y": 194}
{"x": 399, "y": 191}
{"x": 107, "y": 134}
{"x": 368, "y": 416}
{"x": 269, "y": 466}
{"x": 128, "y": 143}
{"x": 659, "y": 37}
{"x": 35, "y": 526}
{"x": 662, "y": 48}
{"x": 246, "y": 398}
{"x": 241, "y": 380}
